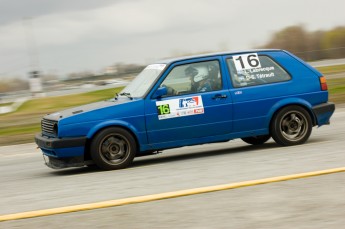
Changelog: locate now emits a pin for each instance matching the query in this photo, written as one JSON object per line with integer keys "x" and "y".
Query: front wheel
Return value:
{"x": 292, "y": 125}
{"x": 257, "y": 140}
{"x": 113, "y": 148}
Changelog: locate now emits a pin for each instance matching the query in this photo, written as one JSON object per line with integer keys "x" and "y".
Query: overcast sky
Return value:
{"x": 76, "y": 35}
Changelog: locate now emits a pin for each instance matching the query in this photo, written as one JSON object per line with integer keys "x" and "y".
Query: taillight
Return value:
{"x": 323, "y": 83}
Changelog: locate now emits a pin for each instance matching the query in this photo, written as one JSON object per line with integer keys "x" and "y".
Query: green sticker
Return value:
{"x": 163, "y": 109}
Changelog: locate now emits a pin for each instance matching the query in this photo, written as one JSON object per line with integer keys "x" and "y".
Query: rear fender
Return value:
{"x": 287, "y": 102}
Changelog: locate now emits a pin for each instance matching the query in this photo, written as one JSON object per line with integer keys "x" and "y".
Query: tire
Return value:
{"x": 257, "y": 140}
{"x": 113, "y": 148}
{"x": 292, "y": 125}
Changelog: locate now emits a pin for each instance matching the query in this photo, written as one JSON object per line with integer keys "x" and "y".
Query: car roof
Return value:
{"x": 175, "y": 59}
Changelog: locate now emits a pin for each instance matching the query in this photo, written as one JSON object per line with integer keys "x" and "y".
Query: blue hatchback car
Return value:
{"x": 252, "y": 95}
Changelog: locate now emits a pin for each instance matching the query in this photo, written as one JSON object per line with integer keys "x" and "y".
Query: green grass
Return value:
{"x": 52, "y": 104}
{"x": 332, "y": 69}
{"x": 337, "y": 90}
{"x": 336, "y": 86}
{"x": 20, "y": 126}
{"x": 5, "y": 104}
{"x": 23, "y": 129}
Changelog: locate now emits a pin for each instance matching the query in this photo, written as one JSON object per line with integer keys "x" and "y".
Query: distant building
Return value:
{"x": 35, "y": 82}
{"x": 111, "y": 70}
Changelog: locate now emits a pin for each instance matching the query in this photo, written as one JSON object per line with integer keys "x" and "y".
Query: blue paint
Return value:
{"x": 232, "y": 110}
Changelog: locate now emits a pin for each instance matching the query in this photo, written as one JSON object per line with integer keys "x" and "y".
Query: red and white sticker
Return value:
{"x": 174, "y": 108}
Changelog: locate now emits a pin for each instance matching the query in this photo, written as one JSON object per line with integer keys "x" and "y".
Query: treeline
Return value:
{"x": 310, "y": 46}
{"x": 7, "y": 85}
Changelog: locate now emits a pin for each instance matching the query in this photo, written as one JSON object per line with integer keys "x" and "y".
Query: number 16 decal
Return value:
{"x": 246, "y": 61}
{"x": 163, "y": 109}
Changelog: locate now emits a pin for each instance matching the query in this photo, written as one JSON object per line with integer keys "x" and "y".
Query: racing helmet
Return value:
{"x": 198, "y": 73}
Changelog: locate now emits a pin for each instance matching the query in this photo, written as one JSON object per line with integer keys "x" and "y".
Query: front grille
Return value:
{"x": 48, "y": 127}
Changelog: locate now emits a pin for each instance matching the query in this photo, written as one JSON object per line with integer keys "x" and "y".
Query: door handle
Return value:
{"x": 219, "y": 96}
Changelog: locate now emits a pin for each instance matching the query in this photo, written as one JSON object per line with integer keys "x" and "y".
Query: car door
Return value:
{"x": 189, "y": 113}
{"x": 258, "y": 82}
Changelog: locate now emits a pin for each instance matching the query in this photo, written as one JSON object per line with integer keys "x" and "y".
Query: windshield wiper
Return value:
{"x": 127, "y": 94}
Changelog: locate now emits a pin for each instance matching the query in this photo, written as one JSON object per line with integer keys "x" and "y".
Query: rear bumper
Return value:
{"x": 323, "y": 113}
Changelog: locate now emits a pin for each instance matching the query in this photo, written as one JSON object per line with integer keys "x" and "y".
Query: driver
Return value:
{"x": 199, "y": 77}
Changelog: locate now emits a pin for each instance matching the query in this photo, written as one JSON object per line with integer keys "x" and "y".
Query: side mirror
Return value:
{"x": 160, "y": 92}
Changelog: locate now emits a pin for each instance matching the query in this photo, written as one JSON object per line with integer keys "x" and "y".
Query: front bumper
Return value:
{"x": 65, "y": 162}
{"x": 323, "y": 113}
{"x": 62, "y": 153}
{"x": 58, "y": 143}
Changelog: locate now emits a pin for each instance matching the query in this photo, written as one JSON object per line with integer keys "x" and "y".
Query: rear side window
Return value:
{"x": 250, "y": 70}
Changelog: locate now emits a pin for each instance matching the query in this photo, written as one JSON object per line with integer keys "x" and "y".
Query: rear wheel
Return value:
{"x": 292, "y": 125}
{"x": 257, "y": 140}
{"x": 113, "y": 148}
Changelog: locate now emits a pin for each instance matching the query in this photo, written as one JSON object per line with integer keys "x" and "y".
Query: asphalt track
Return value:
{"x": 27, "y": 185}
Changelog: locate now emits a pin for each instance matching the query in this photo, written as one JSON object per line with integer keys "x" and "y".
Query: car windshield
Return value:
{"x": 139, "y": 86}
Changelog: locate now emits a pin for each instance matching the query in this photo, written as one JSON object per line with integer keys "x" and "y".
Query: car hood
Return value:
{"x": 85, "y": 108}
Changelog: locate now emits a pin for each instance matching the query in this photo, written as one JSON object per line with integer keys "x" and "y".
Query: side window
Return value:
{"x": 193, "y": 78}
{"x": 257, "y": 70}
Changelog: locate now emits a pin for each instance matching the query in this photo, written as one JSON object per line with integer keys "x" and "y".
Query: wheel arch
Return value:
{"x": 291, "y": 102}
{"x": 102, "y": 126}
